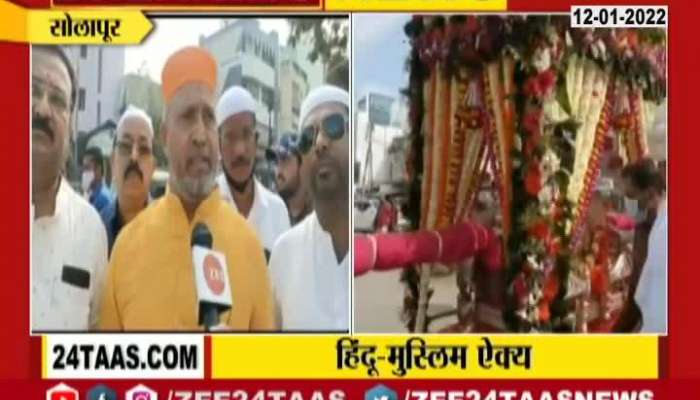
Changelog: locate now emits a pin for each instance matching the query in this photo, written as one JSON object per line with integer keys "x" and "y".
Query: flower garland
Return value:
{"x": 638, "y": 55}
{"x": 538, "y": 246}
{"x": 498, "y": 145}
{"x": 593, "y": 165}
{"x": 472, "y": 117}
{"x": 534, "y": 156}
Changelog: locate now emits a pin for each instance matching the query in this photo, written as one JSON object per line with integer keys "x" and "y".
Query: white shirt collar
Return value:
{"x": 325, "y": 240}
{"x": 63, "y": 200}
{"x": 258, "y": 199}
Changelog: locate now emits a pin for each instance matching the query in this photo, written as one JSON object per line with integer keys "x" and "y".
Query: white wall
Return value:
{"x": 88, "y": 74}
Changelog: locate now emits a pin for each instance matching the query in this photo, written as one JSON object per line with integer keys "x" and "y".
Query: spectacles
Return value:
{"x": 334, "y": 126}
{"x": 125, "y": 149}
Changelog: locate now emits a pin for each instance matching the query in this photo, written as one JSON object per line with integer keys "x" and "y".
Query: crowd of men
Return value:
{"x": 120, "y": 260}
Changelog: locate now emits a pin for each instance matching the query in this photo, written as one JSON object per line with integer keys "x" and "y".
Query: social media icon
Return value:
{"x": 62, "y": 392}
{"x": 380, "y": 392}
{"x": 141, "y": 392}
{"x": 101, "y": 392}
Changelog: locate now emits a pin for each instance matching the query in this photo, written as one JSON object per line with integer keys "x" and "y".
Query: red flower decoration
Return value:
{"x": 547, "y": 79}
{"x": 533, "y": 179}
{"x": 532, "y": 87}
{"x": 543, "y": 311}
{"x": 532, "y": 121}
{"x": 530, "y": 146}
{"x": 599, "y": 280}
{"x": 541, "y": 85}
{"x": 540, "y": 230}
{"x": 553, "y": 246}
{"x": 557, "y": 211}
{"x": 520, "y": 289}
{"x": 551, "y": 288}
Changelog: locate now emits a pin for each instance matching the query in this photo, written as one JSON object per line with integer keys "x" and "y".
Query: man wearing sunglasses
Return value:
{"x": 264, "y": 210}
{"x": 291, "y": 173}
{"x": 133, "y": 165}
{"x": 69, "y": 244}
{"x": 309, "y": 266}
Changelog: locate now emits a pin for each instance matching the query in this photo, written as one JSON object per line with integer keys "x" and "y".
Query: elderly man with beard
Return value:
{"x": 290, "y": 170}
{"x": 309, "y": 264}
{"x": 151, "y": 283}
{"x": 264, "y": 210}
{"x": 69, "y": 245}
{"x": 132, "y": 169}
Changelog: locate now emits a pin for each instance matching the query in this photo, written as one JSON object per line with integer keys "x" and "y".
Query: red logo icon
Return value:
{"x": 214, "y": 274}
{"x": 62, "y": 392}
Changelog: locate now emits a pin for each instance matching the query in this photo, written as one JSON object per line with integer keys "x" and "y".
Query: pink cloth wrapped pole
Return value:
{"x": 398, "y": 250}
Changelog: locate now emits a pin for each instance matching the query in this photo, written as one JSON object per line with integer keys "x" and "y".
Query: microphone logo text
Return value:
{"x": 214, "y": 274}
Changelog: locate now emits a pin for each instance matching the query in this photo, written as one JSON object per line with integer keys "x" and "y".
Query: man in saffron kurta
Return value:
{"x": 150, "y": 283}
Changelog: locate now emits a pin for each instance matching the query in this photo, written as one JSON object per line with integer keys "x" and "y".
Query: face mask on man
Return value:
{"x": 631, "y": 207}
{"x": 86, "y": 180}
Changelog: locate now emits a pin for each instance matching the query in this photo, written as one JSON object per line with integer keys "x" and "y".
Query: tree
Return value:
{"x": 329, "y": 40}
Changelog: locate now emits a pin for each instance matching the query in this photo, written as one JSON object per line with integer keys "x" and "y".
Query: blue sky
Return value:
{"x": 380, "y": 52}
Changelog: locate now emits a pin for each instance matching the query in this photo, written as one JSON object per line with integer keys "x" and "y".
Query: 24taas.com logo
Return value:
{"x": 380, "y": 392}
{"x": 62, "y": 392}
{"x": 101, "y": 392}
{"x": 141, "y": 392}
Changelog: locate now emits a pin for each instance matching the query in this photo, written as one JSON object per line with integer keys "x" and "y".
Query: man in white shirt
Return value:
{"x": 644, "y": 189}
{"x": 651, "y": 293}
{"x": 69, "y": 243}
{"x": 309, "y": 267}
{"x": 264, "y": 210}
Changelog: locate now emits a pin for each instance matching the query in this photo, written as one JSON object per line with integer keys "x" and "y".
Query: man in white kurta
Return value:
{"x": 68, "y": 245}
{"x": 652, "y": 289}
{"x": 311, "y": 287}
{"x": 268, "y": 216}
{"x": 309, "y": 266}
{"x": 264, "y": 210}
{"x": 69, "y": 242}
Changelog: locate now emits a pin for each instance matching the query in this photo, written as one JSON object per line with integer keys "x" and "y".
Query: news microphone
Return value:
{"x": 210, "y": 276}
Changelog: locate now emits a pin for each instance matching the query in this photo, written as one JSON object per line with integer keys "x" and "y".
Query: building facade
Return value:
{"x": 249, "y": 57}
{"x": 294, "y": 85}
{"x": 98, "y": 70}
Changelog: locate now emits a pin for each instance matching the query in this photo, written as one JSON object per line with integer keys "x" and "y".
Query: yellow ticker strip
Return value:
{"x": 550, "y": 357}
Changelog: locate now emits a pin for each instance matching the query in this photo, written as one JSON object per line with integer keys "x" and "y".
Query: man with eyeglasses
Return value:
{"x": 264, "y": 210}
{"x": 133, "y": 165}
{"x": 69, "y": 244}
{"x": 290, "y": 174}
{"x": 151, "y": 284}
{"x": 309, "y": 266}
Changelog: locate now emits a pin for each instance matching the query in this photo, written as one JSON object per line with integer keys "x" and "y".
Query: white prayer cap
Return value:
{"x": 134, "y": 112}
{"x": 234, "y": 100}
{"x": 321, "y": 95}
